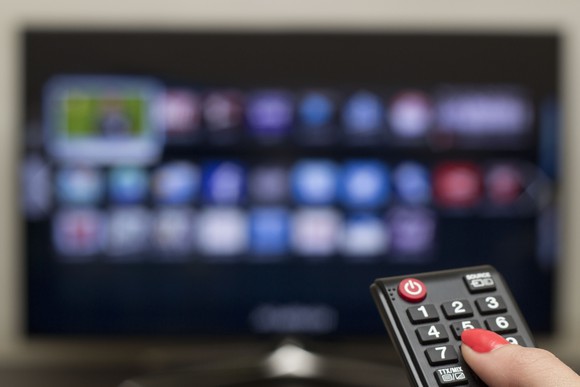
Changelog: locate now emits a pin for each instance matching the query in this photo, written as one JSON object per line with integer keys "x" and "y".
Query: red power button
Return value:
{"x": 412, "y": 290}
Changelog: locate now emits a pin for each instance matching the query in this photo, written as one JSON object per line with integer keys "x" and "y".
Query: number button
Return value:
{"x": 422, "y": 314}
{"x": 501, "y": 324}
{"x": 432, "y": 334}
{"x": 490, "y": 304}
{"x": 516, "y": 339}
{"x": 441, "y": 355}
{"x": 457, "y": 309}
{"x": 458, "y": 327}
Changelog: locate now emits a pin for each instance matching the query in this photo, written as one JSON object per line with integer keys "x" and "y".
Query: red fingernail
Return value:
{"x": 481, "y": 340}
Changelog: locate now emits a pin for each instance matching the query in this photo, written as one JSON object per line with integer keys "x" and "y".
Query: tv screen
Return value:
{"x": 188, "y": 183}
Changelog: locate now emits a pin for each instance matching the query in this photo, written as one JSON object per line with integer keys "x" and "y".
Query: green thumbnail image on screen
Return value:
{"x": 87, "y": 115}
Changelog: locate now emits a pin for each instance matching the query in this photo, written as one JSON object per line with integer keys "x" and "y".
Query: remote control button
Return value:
{"x": 422, "y": 314}
{"x": 516, "y": 339}
{"x": 432, "y": 334}
{"x": 490, "y": 305}
{"x": 412, "y": 290}
{"x": 444, "y": 354}
{"x": 457, "y": 309}
{"x": 458, "y": 327}
{"x": 479, "y": 282}
{"x": 501, "y": 324}
{"x": 451, "y": 376}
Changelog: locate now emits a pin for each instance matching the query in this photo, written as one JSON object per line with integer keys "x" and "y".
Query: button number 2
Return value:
{"x": 458, "y": 305}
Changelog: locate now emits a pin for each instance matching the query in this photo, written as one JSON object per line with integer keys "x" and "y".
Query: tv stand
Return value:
{"x": 288, "y": 365}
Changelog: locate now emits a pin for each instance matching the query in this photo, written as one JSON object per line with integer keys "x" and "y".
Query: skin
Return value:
{"x": 507, "y": 365}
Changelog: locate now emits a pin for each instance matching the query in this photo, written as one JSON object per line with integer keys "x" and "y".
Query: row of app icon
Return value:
{"x": 363, "y": 184}
{"x": 404, "y": 116}
{"x": 112, "y": 118}
{"x": 225, "y": 234}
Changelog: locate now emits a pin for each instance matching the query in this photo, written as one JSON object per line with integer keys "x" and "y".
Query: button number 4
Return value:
{"x": 434, "y": 332}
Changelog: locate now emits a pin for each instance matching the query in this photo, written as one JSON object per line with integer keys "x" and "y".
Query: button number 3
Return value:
{"x": 492, "y": 303}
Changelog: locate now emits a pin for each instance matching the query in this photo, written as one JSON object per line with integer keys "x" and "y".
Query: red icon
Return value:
{"x": 412, "y": 290}
{"x": 457, "y": 184}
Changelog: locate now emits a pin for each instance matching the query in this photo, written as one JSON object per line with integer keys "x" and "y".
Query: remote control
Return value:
{"x": 426, "y": 313}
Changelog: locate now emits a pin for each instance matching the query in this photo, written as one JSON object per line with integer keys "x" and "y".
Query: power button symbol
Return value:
{"x": 412, "y": 290}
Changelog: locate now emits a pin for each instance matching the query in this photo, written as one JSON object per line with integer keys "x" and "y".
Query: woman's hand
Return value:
{"x": 501, "y": 364}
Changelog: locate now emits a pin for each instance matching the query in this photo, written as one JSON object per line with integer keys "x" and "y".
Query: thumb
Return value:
{"x": 499, "y": 363}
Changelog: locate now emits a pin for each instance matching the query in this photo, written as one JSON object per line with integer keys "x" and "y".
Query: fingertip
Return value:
{"x": 482, "y": 340}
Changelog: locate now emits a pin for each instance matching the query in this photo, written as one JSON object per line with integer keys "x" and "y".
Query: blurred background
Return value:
{"x": 201, "y": 184}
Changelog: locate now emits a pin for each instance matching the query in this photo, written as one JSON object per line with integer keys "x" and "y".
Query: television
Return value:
{"x": 253, "y": 184}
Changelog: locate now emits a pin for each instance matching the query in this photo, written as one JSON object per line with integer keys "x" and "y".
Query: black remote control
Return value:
{"x": 426, "y": 313}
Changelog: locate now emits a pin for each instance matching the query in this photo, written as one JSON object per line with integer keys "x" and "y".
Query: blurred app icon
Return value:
{"x": 412, "y": 230}
{"x": 315, "y": 233}
{"x": 177, "y": 182}
{"x": 129, "y": 234}
{"x": 224, "y": 182}
{"x": 410, "y": 115}
{"x": 79, "y": 234}
{"x": 364, "y": 184}
{"x": 269, "y": 231}
{"x": 486, "y": 116}
{"x": 222, "y": 232}
{"x": 412, "y": 183}
{"x": 268, "y": 184}
{"x": 364, "y": 238}
{"x": 223, "y": 115}
{"x": 457, "y": 184}
{"x": 270, "y": 114}
{"x": 317, "y": 111}
{"x": 505, "y": 183}
{"x": 128, "y": 185}
{"x": 79, "y": 185}
{"x": 314, "y": 182}
{"x": 174, "y": 232}
{"x": 181, "y": 112}
{"x": 362, "y": 116}
{"x": 103, "y": 119}
{"x": 36, "y": 183}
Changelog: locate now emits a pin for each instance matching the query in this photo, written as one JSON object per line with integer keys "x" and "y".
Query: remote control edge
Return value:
{"x": 395, "y": 335}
